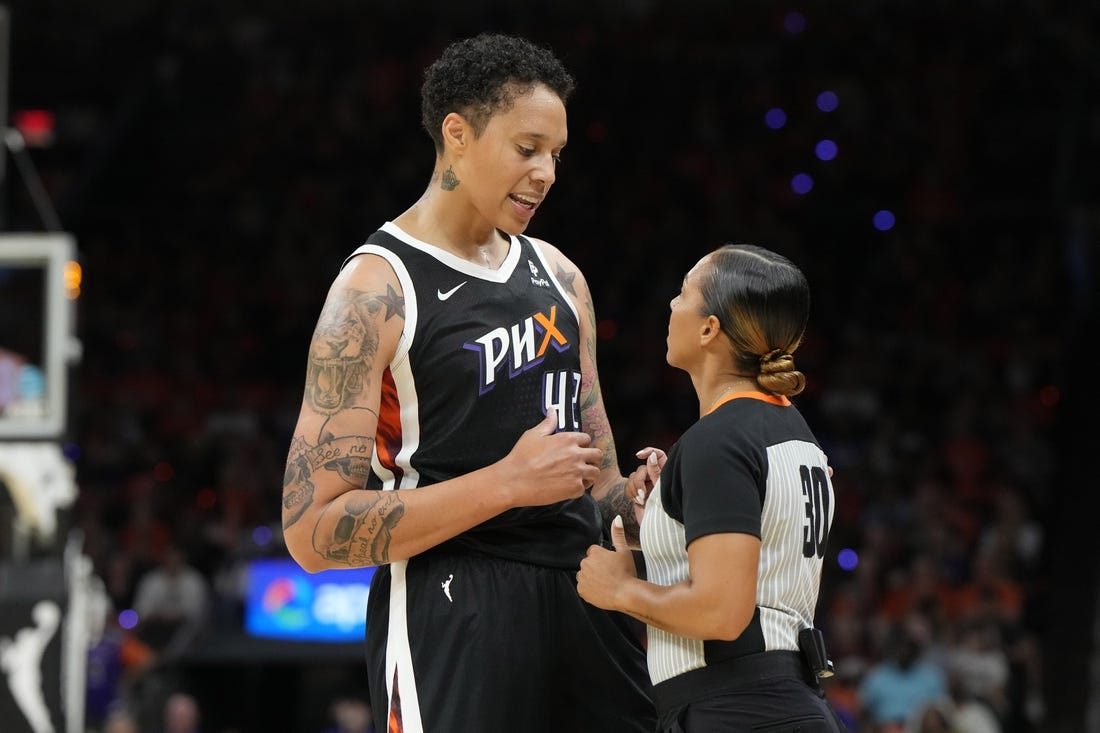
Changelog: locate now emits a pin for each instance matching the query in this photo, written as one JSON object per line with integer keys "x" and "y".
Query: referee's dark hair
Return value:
{"x": 762, "y": 301}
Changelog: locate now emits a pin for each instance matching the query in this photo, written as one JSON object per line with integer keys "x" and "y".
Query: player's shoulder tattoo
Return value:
{"x": 345, "y": 345}
{"x": 566, "y": 278}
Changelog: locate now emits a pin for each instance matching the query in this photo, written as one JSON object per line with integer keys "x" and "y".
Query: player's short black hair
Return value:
{"x": 482, "y": 75}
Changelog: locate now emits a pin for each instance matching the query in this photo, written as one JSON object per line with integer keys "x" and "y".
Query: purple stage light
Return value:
{"x": 775, "y": 118}
{"x": 128, "y": 619}
{"x": 262, "y": 535}
{"x": 825, "y": 150}
{"x": 794, "y": 22}
{"x": 847, "y": 559}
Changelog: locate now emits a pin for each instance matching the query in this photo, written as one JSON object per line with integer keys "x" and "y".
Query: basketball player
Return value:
{"x": 734, "y": 531}
{"x": 453, "y": 433}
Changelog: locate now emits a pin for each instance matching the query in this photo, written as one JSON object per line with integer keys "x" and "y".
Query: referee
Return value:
{"x": 735, "y": 529}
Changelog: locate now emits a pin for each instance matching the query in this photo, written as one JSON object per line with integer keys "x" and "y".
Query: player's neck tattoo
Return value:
{"x": 450, "y": 180}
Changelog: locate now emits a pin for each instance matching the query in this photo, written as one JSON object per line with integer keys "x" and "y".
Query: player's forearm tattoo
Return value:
{"x": 359, "y": 532}
{"x": 344, "y": 345}
{"x": 594, "y": 420}
{"x": 298, "y": 485}
{"x": 593, "y": 417}
{"x": 615, "y": 503}
{"x": 596, "y": 425}
{"x": 348, "y": 456}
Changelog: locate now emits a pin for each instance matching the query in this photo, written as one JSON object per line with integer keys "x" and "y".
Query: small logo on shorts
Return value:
{"x": 447, "y": 587}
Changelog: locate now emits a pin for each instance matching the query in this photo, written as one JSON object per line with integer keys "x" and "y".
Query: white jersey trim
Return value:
{"x": 408, "y": 331}
{"x": 401, "y": 371}
{"x": 500, "y": 275}
{"x": 410, "y": 422}
{"x": 553, "y": 278}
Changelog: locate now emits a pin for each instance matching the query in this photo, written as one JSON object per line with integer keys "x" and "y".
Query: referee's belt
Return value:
{"x": 732, "y": 674}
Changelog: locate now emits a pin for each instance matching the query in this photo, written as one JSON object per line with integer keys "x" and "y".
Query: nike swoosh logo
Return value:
{"x": 449, "y": 293}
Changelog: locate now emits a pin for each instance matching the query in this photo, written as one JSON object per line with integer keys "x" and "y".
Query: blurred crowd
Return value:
{"x": 217, "y": 164}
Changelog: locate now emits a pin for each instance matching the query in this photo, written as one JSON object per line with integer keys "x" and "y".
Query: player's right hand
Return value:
{"x": 546, "y": 466}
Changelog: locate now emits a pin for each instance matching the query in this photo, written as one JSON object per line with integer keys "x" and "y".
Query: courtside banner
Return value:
{"x": 285, "y": 602}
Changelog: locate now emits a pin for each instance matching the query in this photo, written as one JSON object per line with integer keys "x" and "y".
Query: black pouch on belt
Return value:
{"x": 812, "y": 644}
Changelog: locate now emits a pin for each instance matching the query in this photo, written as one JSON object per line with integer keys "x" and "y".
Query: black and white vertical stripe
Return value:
{"x": 788, "y": 581}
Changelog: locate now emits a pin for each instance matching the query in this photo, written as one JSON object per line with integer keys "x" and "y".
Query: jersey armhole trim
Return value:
{"x": 408, "y": 330}
{"x": 553, "y": 278}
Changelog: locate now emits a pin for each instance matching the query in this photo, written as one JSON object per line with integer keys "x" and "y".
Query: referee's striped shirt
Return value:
{"x": 752, "y": 466}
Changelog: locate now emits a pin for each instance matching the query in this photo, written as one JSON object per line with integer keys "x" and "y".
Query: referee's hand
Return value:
{"x": 604, "y": 572}
{"x": 641, "y": 481}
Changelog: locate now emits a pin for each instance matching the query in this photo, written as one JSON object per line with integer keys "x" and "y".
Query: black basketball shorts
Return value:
{"x": 460, "y": 643}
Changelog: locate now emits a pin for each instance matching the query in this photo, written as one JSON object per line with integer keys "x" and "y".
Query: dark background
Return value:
{"x": 216, "y": 161}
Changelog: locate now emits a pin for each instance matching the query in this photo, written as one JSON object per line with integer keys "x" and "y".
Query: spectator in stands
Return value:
{"x": 350, "y": 713}
{"x": 121, "y": 721}
{"x": 895, "y": 687}
{"x": 172, "y": 604}
{"x": 182, "y": 714}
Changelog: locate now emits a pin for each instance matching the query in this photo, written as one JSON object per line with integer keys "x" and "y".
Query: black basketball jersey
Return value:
{"x": 483, "y": 354}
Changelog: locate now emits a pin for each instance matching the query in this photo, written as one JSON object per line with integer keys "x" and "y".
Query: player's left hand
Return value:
{"x": 604, "y": 571}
